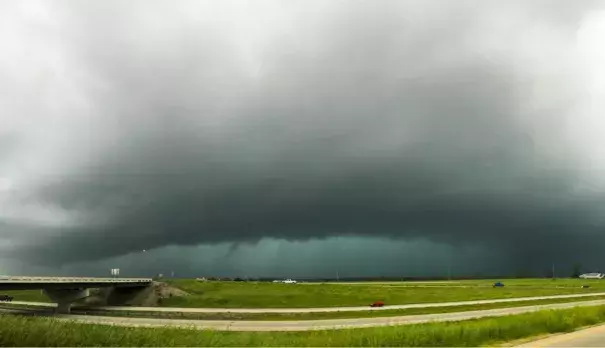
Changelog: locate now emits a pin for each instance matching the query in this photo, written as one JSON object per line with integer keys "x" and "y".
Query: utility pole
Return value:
{"x": 553, "y": 270}
{"x": 337, "y": 276}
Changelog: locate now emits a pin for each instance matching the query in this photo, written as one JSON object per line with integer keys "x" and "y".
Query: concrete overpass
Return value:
{"x": 66, "y": 290}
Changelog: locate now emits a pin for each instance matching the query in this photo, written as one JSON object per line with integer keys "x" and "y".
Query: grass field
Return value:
{"x": 35, "y": 331}
{"x": 516, "y": 282}
{"x": 270, "y": 295}
{"x": 27, "y": 295}
{"x": 308, "y": 316}
{"x": 327, "y": 315}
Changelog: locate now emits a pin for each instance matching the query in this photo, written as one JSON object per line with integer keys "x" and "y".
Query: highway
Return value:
{"x": 591, "y": 337}
{"x": 305, "y": 325}
{"x": 318, "y": 310}
{"x": 394, "y": 282}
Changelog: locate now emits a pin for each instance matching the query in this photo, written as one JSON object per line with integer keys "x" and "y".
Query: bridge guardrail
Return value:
{"x": 72, "y": 280}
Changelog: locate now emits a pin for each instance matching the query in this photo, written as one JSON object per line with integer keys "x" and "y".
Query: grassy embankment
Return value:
{"x": 27, "y": 295}
{"x": 329, "y": 315}
{"x": 310, "y": 316}
{"x": 269, "y": 295}
{"x": 37, "y": 331}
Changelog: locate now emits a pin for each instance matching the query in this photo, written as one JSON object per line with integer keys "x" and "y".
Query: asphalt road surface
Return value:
{"x": 591, "y": 337}
{"x": 305, "y": 325}
{"x": 317, "y": 310}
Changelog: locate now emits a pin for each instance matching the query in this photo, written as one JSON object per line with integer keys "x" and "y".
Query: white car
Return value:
{"x": 289, "y": 281}
{"x": 592, "y": 276}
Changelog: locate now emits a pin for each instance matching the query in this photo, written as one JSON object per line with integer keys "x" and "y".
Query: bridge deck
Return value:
{"x": 19, "y": 279}
{"x": 24, "y": 283}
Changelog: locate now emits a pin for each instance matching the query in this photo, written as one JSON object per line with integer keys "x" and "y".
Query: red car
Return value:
{"x": 377, "y": 304}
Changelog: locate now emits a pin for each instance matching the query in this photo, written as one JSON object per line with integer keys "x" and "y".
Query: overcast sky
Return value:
{"x": 301, "y": 137}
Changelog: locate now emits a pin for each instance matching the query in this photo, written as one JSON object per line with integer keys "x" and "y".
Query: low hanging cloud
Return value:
{"x": 144, "y": 124}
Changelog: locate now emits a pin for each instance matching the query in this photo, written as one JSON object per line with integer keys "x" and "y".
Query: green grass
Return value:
{"x": 270, "y": 295}
{"x": 27, "y": 295}
{"x": 273, "y": 295}
{"x": 310, "y": 316}
{"x": 30, "y": 331}
{"x": 525, "y": 282}
{"x": 328, "y": 315}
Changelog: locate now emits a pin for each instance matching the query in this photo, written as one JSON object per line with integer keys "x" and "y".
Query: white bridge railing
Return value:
{"x": 17, "y": 279}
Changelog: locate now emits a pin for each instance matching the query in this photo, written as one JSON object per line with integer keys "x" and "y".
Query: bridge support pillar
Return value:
{"x": 65, "y": 297}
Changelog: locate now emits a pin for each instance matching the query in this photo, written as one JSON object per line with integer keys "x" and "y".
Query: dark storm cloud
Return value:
{"x": 404, "y": 120}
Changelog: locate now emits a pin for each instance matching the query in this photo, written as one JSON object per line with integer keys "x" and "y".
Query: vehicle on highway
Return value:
{"x": 287, "y": 281}
{"x": 592, "y": 276}
{"x": 6, "y": 298}
{"x": 377, "y": 304}
{"x": 498, "y": 285}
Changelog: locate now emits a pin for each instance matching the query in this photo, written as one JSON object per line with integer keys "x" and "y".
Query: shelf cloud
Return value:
{"x": 144, "y": 124}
